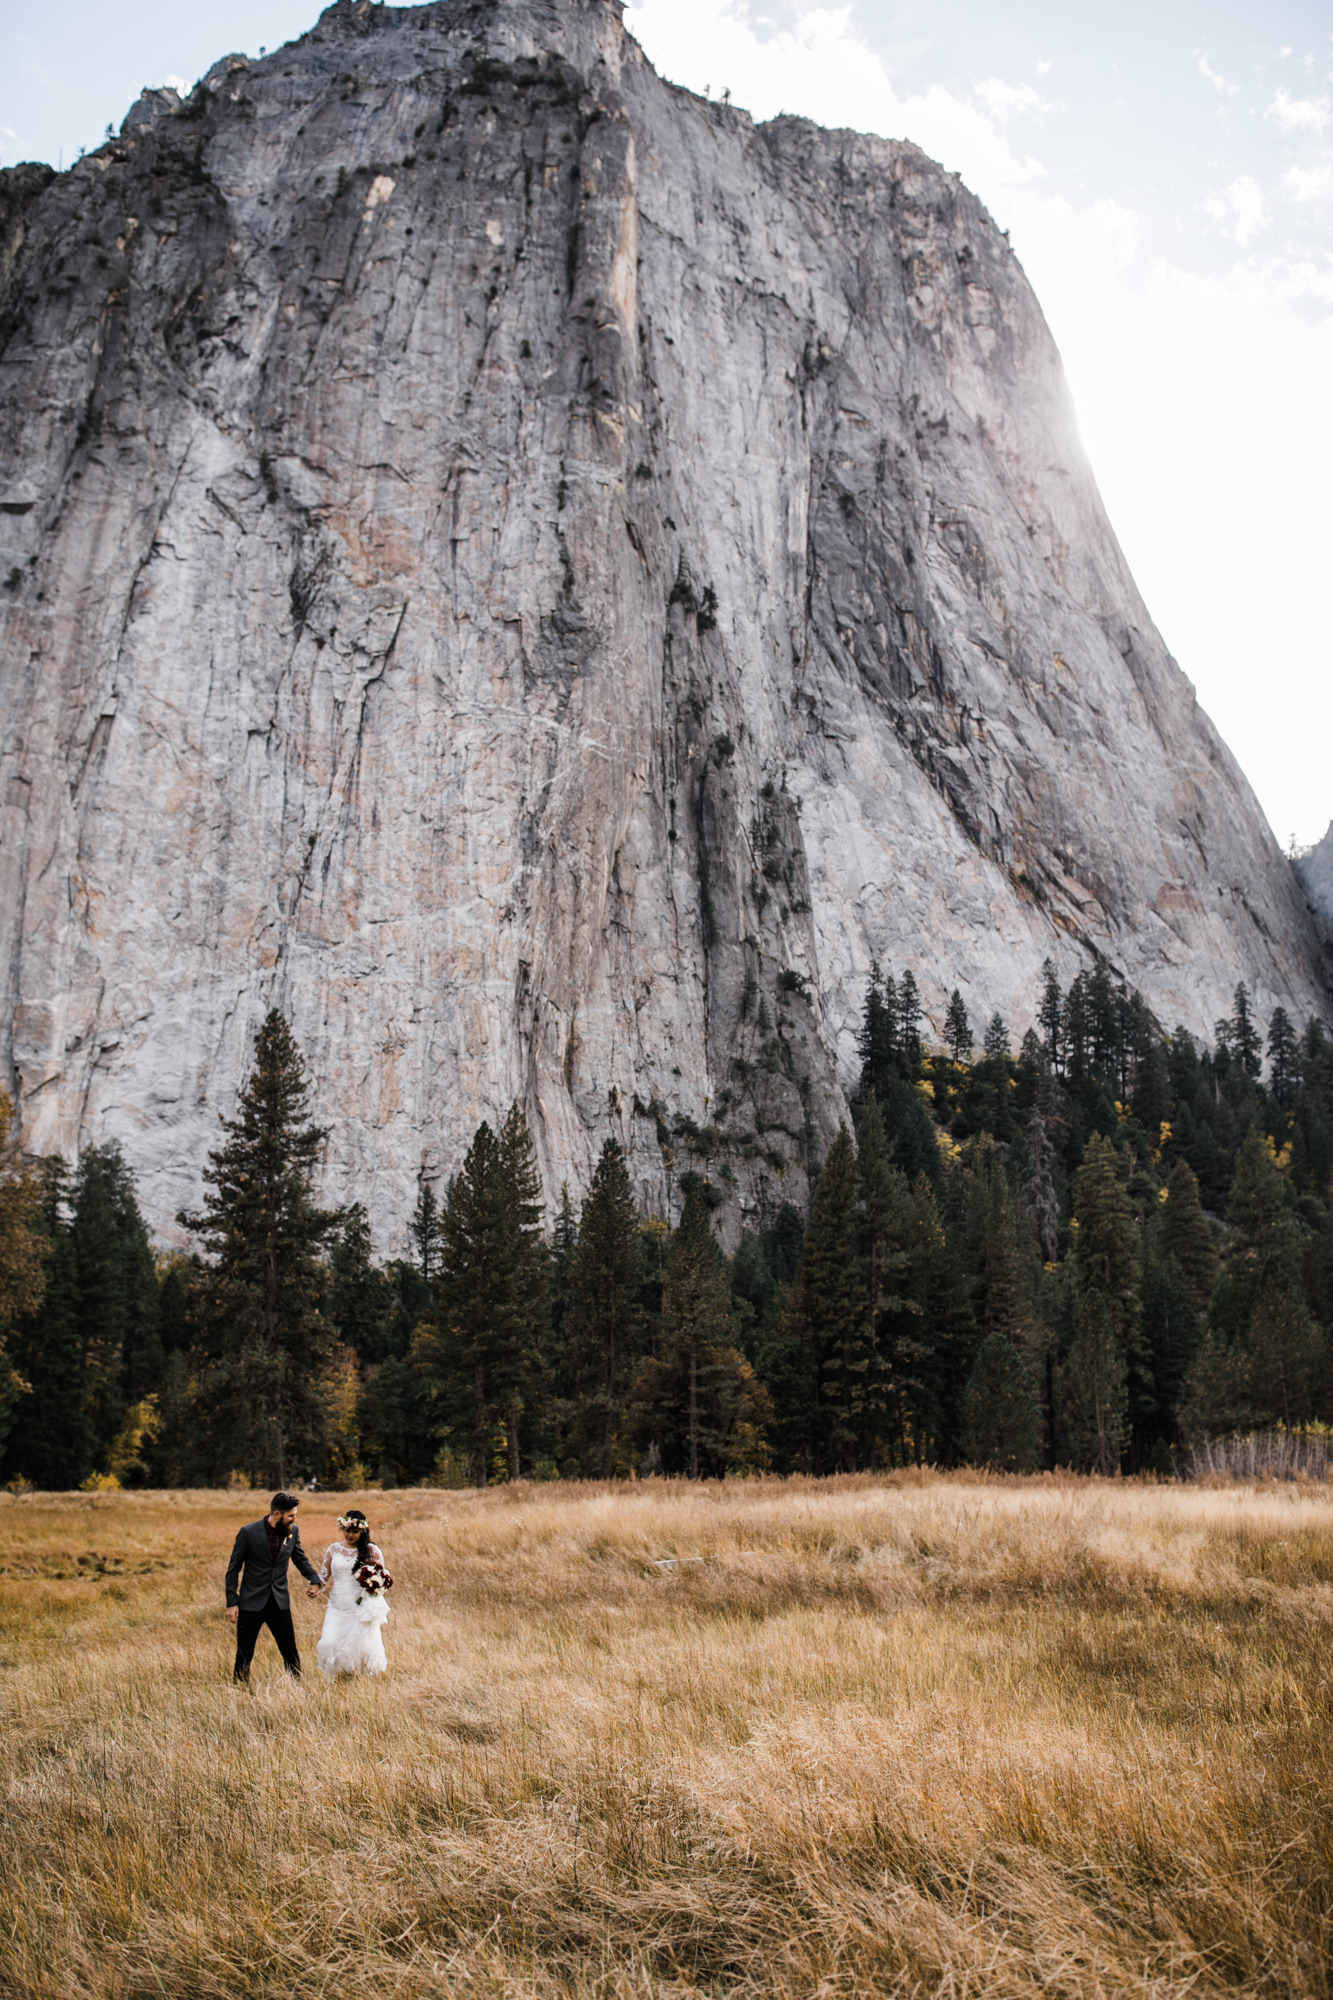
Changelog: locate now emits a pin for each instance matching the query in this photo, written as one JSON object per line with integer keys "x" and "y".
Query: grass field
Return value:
{"x": 927, "y": 1736}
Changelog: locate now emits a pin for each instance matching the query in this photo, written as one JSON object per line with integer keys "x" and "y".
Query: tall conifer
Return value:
{"x": 878, "y": 1043}
{"x": 935, "y": 1280}
{"x": 602, "y": 1312}
{"x": 1051, "y": 1016}
{"x": 1039, "y": 1189}
{"x": 264, "y": 1357}
{"x": 696, "y": 1397}
{"x": 884, "y": 1386}
{"x": 957, "y": 1028}
{"x": 53, "y": 1446}
{"x": 826, "y": 1309}
{"x": 1186, "y": 1237}
{"x": 1002, "y": 1418}
{"x": 1093, "y": 1389}
{"x": 360, "y": 1303}
{"x": 1106, "y": 1245}
{"x": 492, "y": 1287}
{"x": 424, "y": 1228}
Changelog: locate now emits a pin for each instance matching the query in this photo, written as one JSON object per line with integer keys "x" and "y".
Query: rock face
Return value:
{"x": 543, "y": 580}
{"x": 1314, "y": 868}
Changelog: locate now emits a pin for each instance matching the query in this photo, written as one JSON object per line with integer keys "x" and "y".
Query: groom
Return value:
{"x": 259, "y": 1597}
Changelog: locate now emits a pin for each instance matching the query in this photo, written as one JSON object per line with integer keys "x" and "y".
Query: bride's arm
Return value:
{"x": 326, "y": 1567}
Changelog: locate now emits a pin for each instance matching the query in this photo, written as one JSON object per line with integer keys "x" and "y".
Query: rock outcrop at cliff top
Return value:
{"x": 543, "y": 579}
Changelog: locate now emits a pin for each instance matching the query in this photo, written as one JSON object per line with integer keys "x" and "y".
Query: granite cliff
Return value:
{"x": 1314, "y": 869}
{"x": 543, "y": 579}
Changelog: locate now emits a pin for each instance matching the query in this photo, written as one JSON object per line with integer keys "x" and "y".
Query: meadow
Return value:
{"x": 917, "y": 1735}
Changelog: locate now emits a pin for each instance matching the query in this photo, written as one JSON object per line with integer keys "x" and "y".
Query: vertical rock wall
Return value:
{"x": 543, "y": 580}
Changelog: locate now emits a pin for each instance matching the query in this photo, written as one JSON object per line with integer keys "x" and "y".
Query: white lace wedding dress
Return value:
{"x": 352, "y": 1641}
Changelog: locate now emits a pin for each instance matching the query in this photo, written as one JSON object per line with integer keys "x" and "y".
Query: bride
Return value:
{"x": 352, "y": 1641}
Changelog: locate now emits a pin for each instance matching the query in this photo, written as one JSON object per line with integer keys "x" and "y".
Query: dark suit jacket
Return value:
{"x": 262, "y": 1574}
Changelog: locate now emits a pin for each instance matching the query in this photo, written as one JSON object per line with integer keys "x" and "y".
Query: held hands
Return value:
{"x": 312, "y": 1590}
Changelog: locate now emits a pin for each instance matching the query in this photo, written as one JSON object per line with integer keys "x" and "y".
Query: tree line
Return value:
{"x": 1084, "y": 1252}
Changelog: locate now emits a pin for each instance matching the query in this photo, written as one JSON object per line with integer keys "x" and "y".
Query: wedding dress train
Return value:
{"x": 352, "y": 1641}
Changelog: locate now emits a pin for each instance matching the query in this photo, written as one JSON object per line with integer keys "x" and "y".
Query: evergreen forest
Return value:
{"x": 1086, "y": 1251}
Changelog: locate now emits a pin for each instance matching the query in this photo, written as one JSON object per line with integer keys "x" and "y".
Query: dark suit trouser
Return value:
{"x": 249, "y": 1624}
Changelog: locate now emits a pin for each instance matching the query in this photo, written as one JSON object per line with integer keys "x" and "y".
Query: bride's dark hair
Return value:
{"x": 355, "y": 1518}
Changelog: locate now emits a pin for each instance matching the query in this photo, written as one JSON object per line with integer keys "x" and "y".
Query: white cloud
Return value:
{"x": 1309, "y": 183}
{"x": 1005, "y": 100}
{"x": 1299, "y": 114}
{"x": 821, "y": 69}
{"x": 1218, "y": 82}
{"x": 178, "y": 83}
{"x": 1239, "y": 208}
{"x": 1043, "y": 69}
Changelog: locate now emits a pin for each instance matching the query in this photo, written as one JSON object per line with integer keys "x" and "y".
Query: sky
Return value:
{"x": 1166, "y": 175}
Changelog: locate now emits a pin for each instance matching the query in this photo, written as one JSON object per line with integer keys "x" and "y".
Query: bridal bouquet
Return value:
{"x": 374, "y": 1579}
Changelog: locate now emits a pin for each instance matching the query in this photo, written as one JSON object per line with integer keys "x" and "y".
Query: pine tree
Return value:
{"x": 564, "y": 1243}
{"x": 1033, "y": 1069}
{"x": 1216, "y": 1395}
{"x": 1039, "y": 1188}
{"x": 996, "y": 1044}
{"x": 1002, "y": 1418}
{"x": 957, "y": 1029}
{"x": 265, "y": 1360}
{"x": 935, "y": 1280}
{"x": 878, "y": 1042}
{"x": 1284, "y": 1064}
{"x": 827, "y": 1311}
{"x": 118, "y": 1310}
{"x": 359, "y": 1299}
{"x": 602, "y": 1314}
{"x": 424, "y": 1228}
{"x": 1172, "y": 1331}
{"x": 520, "y": 1337}
{"x": 910, "y": 1016}
{"x": 1186, "y": 1237}
{"x": 38, "y": 1344}
{"x": 1107, "y": 1269}
{"x": 1104, "y": 1035}
{"x": 1150, "y": 1079}
{"x": 1004, "y": 1305}
{"x": 1288, "y": 1358}
{"x": 697, "y": 1398}
{"x": 879, "y": 1378}
{"x": 492, "y": 1287}
{"x": 1265, "y": 1228}
{"x": 1050, "y": 1016}
{"x": 20, "y": 1242}
{"x": 1076, "y": 1032}
{"x": 1093, "y": 1389}
{"x": 1240, "y": 1035}
{"x": 1106, "y": 1247}
{"x": 782, "y": 1356}
{"x": 101, "y": 1294}
{"x": 91, "y": 1352}
{"x": 173, "y": 1304}
{"x": 472, "y": 1285}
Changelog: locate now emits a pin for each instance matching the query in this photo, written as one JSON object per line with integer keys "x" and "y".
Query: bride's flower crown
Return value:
{"x": 352, "y": 1523}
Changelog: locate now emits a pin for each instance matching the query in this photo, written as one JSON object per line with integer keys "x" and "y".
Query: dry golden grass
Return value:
{"x": 933, "y": 1736}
